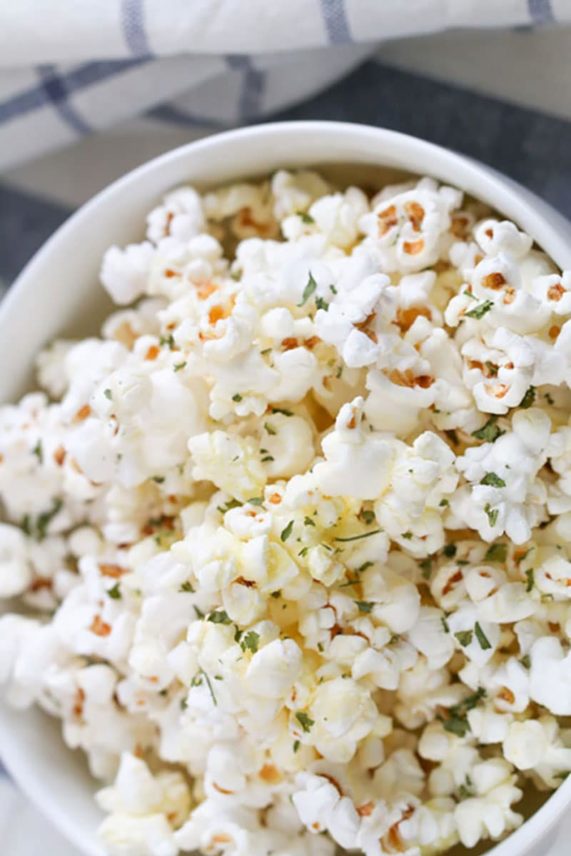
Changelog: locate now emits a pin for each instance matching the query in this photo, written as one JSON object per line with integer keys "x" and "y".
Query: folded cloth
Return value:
{"x": 69, "y": 68}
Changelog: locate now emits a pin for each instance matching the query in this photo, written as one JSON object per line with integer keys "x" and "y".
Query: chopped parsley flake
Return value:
{"x": 306, "y": 218}
{"x": 492, "y": 514}
{"x": 528, "y": 399}
{"x": 364, "y": 605}
{"x": 107, "y": 393}
{"x": 489, "y": 432}
{"x": 493, "y": 480}
{"x": 358, "y": 537}
{"x": 285, "y": 533}
{"x": 187, "y": 586}
{"x": 321, "y": 304}
{"x": 496, "y": 553}
{"x": 457, "y": 721}
{"x": 38, "y": 451}
{"x": 282, "y": 410}
{"x": 167, "y": 340}
{"x": 272, "y": 431}
{"x": 296, "y": 745}
{"x": 480, "y": 310}
{"x": 232, "y": 503}
{"x": 219, "y": 616}
{"x": 481, "y": 637}
{"x": 464, "y": 637}
{"x": 250, "y": 641}
{"x": 530, "y": 577}
{"x": 367, "y": 516}
{"x": 450, "y": 550}
{"x": 308, "y": 290}
{"x": 115, "y": 592}
{"x": 304, "y": 720}
{"x": 237, "y": 397}
{"x": 178, "y": 367}
{"x": 308, "y": 521}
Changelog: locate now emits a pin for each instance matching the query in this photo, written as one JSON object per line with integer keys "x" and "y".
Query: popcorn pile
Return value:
{"x": 291, "y": 541}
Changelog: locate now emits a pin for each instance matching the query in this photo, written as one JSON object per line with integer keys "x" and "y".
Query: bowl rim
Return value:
{"x": 544, "y": 224}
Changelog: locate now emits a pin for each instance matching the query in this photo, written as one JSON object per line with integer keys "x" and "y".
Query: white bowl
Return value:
{"x": 58, "y": 293}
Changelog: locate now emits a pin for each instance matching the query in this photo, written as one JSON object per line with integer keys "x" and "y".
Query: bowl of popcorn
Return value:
{"x": 285, "y": 482}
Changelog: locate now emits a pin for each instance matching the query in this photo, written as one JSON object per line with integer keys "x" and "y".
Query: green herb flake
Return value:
{"x": 364, "y": 567}
{"x": 266, "y": 459}
{"x": 296, "y": 745}
{"x": 464, "y": 637}
{"x": 492, "y": 514}
{"x": 489, "y": 432}
{"x": 276, "y": 594}
{"x": 219, "y": 616}
{"x": 480, "y": 310}
{"x": 115, "y": 592}
{"x": 530, "y": 577}
{"x": 457, "y": 725}
{"x": 450, "y": 550}
{"x": 528, "y": 399}
{"x": 187, "y": 587}
{"x": 232, "y": 503}
{"x": 526, "y": 661}
{"x": 43, "y": 520}
{"x": 367, "y": 516}
{"x": 255, "y": 500}
{"x": 444, "y": 503}
{"x": 308, "y": 290}
{"x": 493, "y": 480}
{"x": 496, "y": 553}
{"x": 158, "y": 479}
{"x": 481, "y": 637}
{"x": 444, "y": 623}
{"x": 178, "y": 367}
{"x": 305, "y": 721}
{"x": 272, "y": 431}
{"x": 321, "y": 304}
{"x": 285, "y": 533}
{"x": 407, "y": 535}
{"x": 237, "y": 397}
{"x": 303, "y": 552}
{"x": 307, "y": 521}
{"x": 167, "y": 340}
{"x": 282, "y": 410}
{"x": 364, "y": 605}
{"x": 108, "y": 395}
{"x": 38, "y": 451}
{"x": 358, "y": 537}
{"x": 250, "y": 641}
{"x": 457, "y": 722}
{"x": 306, "y": 218}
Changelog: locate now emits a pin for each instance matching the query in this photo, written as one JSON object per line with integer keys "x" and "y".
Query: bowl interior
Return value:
{"x": 58, "y": 295}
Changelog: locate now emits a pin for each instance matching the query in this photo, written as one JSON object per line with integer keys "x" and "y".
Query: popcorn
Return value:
{"x": 291, "y": 541}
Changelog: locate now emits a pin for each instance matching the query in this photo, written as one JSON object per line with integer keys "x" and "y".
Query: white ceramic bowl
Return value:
{"x": 58, "y": 293}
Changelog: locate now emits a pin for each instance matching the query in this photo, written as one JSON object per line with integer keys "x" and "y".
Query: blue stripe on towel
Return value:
{"x": 58, "y": 96}
{"x": 541, "y": 12}
{"x": 134, "y": 29}
{"x": 336, "y": 22}
{"x": 79, "y": 78}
